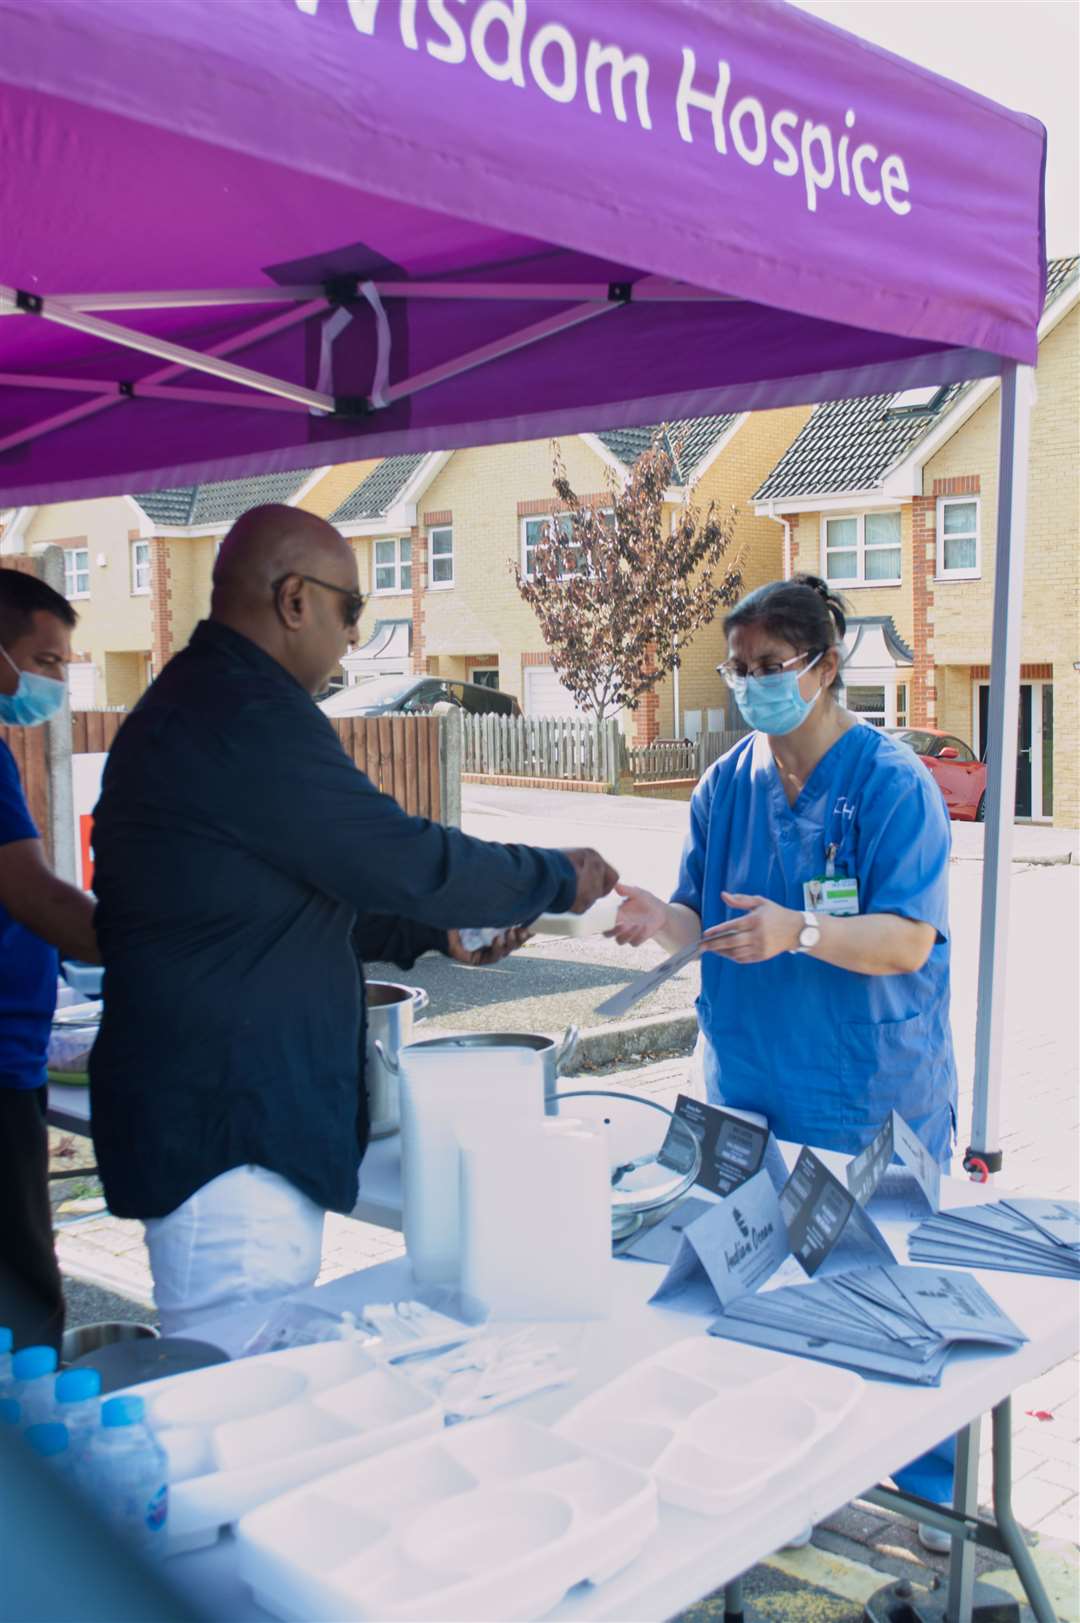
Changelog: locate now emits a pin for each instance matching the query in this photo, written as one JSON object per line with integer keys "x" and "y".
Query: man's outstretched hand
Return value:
{"x": 595, "y": 878}
{"x": 509, "y": 941}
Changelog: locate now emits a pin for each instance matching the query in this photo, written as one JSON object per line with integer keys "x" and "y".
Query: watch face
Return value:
{"x": 809, "y": 935}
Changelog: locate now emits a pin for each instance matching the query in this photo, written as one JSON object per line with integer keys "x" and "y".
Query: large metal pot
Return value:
{"x": 556, "y": 1052}
{"x": 391, "y": 1012}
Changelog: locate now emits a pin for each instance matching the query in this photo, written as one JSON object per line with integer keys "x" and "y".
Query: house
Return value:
{"x": 893, "y": 500}
{"x": 438, "y": 536}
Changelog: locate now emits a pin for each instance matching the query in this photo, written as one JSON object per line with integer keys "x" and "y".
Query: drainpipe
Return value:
{"x": 787, "y": 537}
{"x": 675, "y": 728}
{"x": 13, "y": 534}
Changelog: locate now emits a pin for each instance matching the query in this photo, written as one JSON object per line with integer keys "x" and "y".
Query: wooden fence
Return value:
{"x": 402, "y": 755}
{"x": 405, "y": 756}
{"x": 567, "y": 748}
{"x": 674, "y": 758}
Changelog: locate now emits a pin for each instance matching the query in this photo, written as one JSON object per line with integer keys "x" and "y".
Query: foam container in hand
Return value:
{"x": 594, "y": 921}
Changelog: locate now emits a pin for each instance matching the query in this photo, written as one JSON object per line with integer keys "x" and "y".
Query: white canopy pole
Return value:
{"x": 1017, "y": 397}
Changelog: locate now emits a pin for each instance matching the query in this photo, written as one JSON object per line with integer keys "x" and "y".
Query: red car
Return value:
{"x": 960, "y": 776}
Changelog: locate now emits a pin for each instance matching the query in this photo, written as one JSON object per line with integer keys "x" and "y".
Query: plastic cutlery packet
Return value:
{"x": 495, "y": 1370}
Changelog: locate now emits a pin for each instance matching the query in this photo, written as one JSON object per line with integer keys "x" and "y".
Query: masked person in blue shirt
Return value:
{"x": 38, "y": 913}
{"x": 817, "y": 869}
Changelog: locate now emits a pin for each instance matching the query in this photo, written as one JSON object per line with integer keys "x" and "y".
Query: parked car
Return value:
{"x": 960, "y": 775}
{"x": 418, "y": 696}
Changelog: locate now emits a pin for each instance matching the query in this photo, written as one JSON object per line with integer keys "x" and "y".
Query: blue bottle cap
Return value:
{"x": 10, "y": 1410}
{"x": 76, "y": 1385}
{"x": 31, "y": 1362}
{"x": 122, "y": 1411}
{"x": 6, "y": 1339}
{"x": 48, "y": 1438}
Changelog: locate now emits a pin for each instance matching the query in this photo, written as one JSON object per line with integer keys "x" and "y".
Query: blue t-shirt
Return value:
{"x": 28, "y": 965}
{"x": 823, "y": 1052}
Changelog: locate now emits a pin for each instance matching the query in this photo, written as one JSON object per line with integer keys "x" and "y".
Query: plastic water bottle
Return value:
{"x": 49, "y": 1440}
{"x": 33, "y": 1372}
{"x": 6, "y": 1340}
{"x": 129, "y": 1474}
{"x": 78, "y": 1406}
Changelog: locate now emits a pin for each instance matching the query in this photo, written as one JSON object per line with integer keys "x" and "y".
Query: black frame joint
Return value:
{"x": 352, "y": 405}
{"x": 29, "y": 303}
{"x": 126, "y": 390}
{"x": 619, "y": 292}
{"x": 341, "y": 289}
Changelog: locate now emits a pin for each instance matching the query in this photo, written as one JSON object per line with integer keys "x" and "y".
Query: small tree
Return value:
{"x": 617, "y": 593}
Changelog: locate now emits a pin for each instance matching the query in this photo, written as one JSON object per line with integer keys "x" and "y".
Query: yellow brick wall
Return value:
{"x": 113, "y": 619}
{"x": 1050, "y": 626}
{"x": 191, "y": 562}
{"x": 482, "y": 613}
{"x": 731, "y": 481}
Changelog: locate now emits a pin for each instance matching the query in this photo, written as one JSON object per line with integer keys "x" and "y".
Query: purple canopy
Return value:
{"x": 263, "y": 236}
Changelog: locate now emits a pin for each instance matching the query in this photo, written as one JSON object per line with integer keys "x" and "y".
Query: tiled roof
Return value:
{"x": 196, "y": 505}
{"x": 376, "y": 494}
{"x": 688, "y": 441}
{"x": 852, "y": 444}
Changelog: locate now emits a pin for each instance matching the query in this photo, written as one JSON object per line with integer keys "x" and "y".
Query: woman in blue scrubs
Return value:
{"x": 817, "y": 868}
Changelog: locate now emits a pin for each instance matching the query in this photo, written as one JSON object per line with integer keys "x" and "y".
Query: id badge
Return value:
{"x": 838, "y": 896}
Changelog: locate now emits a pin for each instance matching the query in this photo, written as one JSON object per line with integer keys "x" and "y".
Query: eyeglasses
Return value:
{"x": 354, "y": 601}
{"x": 733, "y": 672}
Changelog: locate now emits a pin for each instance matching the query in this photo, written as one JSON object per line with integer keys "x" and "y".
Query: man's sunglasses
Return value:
{"x": 354, "y": 601}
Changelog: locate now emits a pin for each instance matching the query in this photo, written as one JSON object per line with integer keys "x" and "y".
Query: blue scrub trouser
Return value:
{"x": 931, "y": 1475}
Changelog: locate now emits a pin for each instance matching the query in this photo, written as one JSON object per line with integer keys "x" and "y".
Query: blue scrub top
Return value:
{"x": 823, "y": 1052}
{"x": 28, "y": 965}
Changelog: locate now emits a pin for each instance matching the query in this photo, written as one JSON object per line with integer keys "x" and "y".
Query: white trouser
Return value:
{"x": 244, "y": 1237}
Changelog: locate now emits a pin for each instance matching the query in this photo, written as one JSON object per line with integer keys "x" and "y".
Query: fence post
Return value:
{"x": 49, "y": 567}
{"x": 613, "y": 752}
{"x": 450, "y": 731}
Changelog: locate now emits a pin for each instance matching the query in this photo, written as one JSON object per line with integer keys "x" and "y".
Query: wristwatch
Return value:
{"x": 809, "y": 935}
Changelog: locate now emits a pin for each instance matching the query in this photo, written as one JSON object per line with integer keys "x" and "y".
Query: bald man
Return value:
{"x": 236, "y": 850}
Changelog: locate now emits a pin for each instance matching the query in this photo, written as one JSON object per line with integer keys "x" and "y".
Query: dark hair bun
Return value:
{"x": 832, "y": 600}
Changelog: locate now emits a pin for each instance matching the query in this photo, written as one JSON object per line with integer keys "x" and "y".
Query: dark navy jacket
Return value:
{"x": 235, "y": 844}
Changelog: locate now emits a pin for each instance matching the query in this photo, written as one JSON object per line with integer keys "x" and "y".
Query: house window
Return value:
{"x": 441, "y": 556}
{"x": 140, "y": 567}
{"x": 393, "y": 565}
{"x": 958, "y": 538}
{"x": 532, "y": 532}
{"x": 863, "y": 550}
{"x": 868, "y": 703}
{"x": 901, "y": 704}
{"x": 76, "y": 571}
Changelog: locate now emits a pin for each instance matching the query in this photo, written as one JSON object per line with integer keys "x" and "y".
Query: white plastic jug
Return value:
{"x": 536, "y": 1219}
{"x": 443, "y": 1093}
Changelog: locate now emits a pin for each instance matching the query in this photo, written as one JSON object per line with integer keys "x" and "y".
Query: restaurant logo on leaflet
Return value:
{"x": 495, "y": 36}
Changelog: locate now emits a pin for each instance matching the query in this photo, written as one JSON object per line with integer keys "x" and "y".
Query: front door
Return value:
{"x": 1034, "y": 747}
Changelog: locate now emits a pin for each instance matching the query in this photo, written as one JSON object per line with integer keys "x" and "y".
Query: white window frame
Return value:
{"x": 860, "y": 549}
{"x": 397, "y": 589}
{"x": 545, "y": 518}
{"x": 137, "y": 565}
{"x": 72, "y": 573}
{"x": 940, "y": 571}
{"x": 433, "y": 584}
